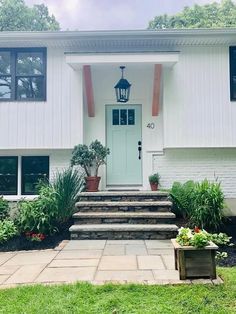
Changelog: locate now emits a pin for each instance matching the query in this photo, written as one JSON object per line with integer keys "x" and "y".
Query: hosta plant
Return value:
{"x": 221, "y": 239}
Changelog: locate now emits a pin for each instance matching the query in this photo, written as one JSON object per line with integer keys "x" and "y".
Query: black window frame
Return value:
{"x": 16, "y": 159}
{"x": 232, "y": 69}
{"x": 13, "y": 74}
{"x": 23, "y": 176}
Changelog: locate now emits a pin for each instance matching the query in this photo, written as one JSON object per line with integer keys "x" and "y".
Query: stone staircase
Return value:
{"x": 124, "y": 215}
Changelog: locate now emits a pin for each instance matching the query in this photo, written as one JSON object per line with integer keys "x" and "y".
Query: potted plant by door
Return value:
{"x": 154, "y": 180}
{"x": 90, "y": 158}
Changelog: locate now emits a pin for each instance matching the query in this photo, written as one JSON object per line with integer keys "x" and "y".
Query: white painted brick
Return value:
{"x": 197, "y": 164}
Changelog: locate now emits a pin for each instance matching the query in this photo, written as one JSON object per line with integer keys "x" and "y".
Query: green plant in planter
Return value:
{"x": 90, "y": 158}
{"x": 154, "y": 180}
{"x": 196, "y": 237}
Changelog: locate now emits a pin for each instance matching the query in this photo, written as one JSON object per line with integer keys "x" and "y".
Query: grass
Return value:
{"x": 116, "y": 299}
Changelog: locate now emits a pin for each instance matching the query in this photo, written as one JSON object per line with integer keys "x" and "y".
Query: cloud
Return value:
{"x": 109, "y": 14}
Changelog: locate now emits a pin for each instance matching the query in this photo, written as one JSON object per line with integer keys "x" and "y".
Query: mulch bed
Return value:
{"x": 20, "y": 243}
{"x": 230, "y": 229}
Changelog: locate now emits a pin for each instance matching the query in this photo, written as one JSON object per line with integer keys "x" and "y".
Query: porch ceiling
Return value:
{"x": 78, "y": 60}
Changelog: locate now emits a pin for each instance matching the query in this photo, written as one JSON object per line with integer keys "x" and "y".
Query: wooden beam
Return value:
{"x": 88, "y": 85}
{"x": 156, "y": 99}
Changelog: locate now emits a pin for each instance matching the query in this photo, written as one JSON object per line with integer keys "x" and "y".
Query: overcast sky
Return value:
{"x": 111, "y": 14}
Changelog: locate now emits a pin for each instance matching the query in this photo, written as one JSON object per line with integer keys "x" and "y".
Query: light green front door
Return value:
{"x": 123, "y": 133}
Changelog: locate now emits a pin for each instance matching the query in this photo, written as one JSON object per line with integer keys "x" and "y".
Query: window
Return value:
{"x": 123, "y": 117}
{"x": 232, "y": 53}
{"x": 33, "y": 170}
{"x": 23, "y": 74}
{"x": 8, "y": 175}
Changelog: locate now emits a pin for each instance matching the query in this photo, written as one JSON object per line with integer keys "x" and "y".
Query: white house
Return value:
{"x": 57, "y": 90}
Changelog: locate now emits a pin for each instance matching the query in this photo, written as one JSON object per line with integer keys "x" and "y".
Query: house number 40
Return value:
{"x": 151, "y": 125}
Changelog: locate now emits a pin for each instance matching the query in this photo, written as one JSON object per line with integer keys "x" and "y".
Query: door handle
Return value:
{"x": 139, "y": 149}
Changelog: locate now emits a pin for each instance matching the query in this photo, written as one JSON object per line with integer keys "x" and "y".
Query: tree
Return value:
{"x": 15, "y": 15}
{"x": 214, "y": 15}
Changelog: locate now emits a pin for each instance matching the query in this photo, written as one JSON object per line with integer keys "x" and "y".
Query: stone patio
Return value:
{"x": 95, "y": 261}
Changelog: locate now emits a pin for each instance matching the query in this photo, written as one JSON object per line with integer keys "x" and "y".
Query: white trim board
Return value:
{"x": 76, "y": 61}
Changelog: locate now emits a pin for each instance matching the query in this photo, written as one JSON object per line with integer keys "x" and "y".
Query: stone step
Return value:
{"x": 124, "y": 196}
{"x": 97, "y": 206}
{"x": 123, "y": 231}
{"x": 123, "y": 217}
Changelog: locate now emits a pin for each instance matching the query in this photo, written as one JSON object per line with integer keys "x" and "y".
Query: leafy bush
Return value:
{"x": 4, "y": 208}
{"x": 208, "y": 205}
{"x": 202, "y": 203}
{"x": 7, "y": 230}
{"x": 39, "y": 215}
{"x": 67, "y": 185}
{"x": 182, "y": 196}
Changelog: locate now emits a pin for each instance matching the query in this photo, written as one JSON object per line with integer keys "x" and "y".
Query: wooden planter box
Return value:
{"x": 195, "y": 263}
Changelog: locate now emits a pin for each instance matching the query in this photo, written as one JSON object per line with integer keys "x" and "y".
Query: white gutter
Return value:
{"x": 166, "y": 33}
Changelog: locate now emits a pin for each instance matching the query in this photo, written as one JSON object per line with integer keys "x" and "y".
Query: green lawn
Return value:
{"x": 116, "y": 299}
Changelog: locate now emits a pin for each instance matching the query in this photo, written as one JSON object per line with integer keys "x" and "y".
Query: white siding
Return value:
{"x": 197, "y": 164}
{"x": 56, "y": 123}
{"x": 197, "y": 107}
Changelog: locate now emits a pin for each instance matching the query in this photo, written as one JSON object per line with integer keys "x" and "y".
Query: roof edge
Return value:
{"x": 116, "y": 33}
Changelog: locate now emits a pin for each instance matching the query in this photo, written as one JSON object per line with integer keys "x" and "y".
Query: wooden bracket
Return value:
{"x": 156, "y": 99}
{"x": 89, "y": 90}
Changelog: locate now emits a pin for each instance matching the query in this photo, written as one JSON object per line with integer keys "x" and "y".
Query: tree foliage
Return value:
{"x": 214, "y": 15}
{"x": 15, "y": 15}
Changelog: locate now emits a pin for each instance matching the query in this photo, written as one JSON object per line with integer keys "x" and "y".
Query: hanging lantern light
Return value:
{"x": 122, "y": 88}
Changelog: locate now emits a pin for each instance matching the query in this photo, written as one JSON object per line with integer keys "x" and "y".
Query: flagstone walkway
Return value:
{"x": 95, "y": 261}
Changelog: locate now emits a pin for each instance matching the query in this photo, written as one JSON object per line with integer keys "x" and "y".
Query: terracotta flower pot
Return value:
{"x": 92, "y": 183}
{"x": 154, "y": 186}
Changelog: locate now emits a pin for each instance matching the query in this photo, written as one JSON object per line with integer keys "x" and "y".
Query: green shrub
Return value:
{"x": 67, "y": 185}
{"x": 54, "y": 206}
{"x": 4, "y": 208}
{"x": 182, "y": 196}
{"x": 7, "y": 230}
{"x": 39, "y": 215}
{"x": 202, "y": 203}
{"x": 208, "y": 206}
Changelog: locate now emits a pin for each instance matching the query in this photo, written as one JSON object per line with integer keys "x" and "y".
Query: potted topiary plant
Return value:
{"x": 154, "y": 180}
{"x": 90, "y": 158}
